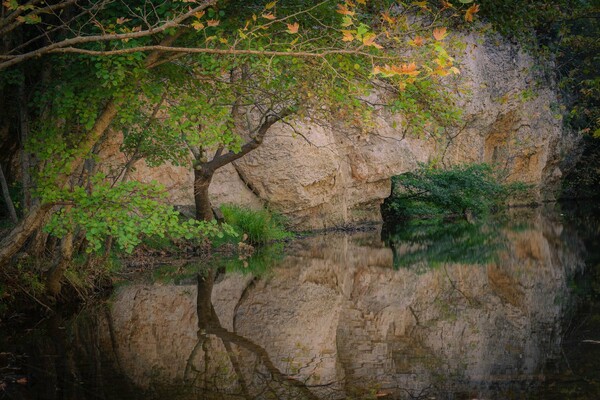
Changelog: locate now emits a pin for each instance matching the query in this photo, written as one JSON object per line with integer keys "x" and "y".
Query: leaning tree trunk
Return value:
{"x": 16, "y": 238}
{"x": 202, "y": 178}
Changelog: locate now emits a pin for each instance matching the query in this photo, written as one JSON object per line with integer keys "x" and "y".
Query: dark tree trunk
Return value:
{"x": 25, "y": 156}
{"x": 55, "y": 276}
{"x": 9, "y": 204}
{"x": 204, "y": 170}
{"x": 202, "y": 178}
{"x": 14, "y": 241}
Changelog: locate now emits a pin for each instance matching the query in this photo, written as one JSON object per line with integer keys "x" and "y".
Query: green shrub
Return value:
{"x": 462, "y": 190}
{"x": 261, "y": 226}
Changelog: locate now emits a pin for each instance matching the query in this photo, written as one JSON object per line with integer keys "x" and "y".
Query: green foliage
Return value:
{"x": 261, "y": 226}
{"x": 564, "y": 31}
{"x": 458, "y": 191}
{"x": 126, "y": 212}
{"x": 422, "y": 245}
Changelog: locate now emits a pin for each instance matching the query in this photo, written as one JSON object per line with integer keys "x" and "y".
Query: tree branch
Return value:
{"x": 65, "y": 46}
{"x": 256, "y": 141}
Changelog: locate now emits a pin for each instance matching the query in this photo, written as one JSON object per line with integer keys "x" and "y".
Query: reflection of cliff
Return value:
{"x": 336, "y": 317}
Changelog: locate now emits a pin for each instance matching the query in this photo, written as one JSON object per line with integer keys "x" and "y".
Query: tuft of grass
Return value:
{"x": 261, "y": 226}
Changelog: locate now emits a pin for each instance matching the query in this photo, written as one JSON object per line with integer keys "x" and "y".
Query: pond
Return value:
{"x": 508, "y": 309}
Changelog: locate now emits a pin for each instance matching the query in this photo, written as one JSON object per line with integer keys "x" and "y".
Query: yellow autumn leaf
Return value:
{"x": 197, "y": 25}
{"x": 406, "y": 69}
{"x": 293, "y": 28}
{"x": 446, "y": 4}
{"x": 342, "y": 9}
{"x": 417, "y": 41}
{"x": 369, "y": 40}
{"x": 347, "y": 36}
{"x": 386, "y": 17}
{"x": 199, "y": 14}
{"x": 441, "y": 71}
{"x": 347, "y": 21}
{"x": 439, "y": 33}
{"x": 455, "y": 71}
{"x": 422, "y": 4}
{"x": 474, "y": 9}
{"x": 270, "y": 5}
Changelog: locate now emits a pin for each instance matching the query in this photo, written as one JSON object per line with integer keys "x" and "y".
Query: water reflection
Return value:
{"x": 422, "y": 245}
{"x": 337, "y": 318}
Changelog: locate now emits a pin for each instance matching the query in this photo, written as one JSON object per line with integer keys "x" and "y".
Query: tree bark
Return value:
{"x": 55, "y": 275}
{"x": 202, "y": 178}
{"x": 25, "y": 156}
{"x": 7, "y": 199}
{"x": 204, "y": 171}
{"x": 14, "y": 241}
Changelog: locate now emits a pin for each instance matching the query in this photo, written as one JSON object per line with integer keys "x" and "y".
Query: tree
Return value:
{"x": 228, "y": 105}
{"x": 206, "y": 84}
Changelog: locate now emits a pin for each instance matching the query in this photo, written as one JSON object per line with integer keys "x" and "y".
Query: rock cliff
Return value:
{"x": 331, "y": 175}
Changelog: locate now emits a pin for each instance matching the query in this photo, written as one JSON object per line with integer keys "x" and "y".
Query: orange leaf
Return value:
{"x": 199, "y": 14}
{"x": 446, "y": 4}
{"x": 417, "y": 41}
{"x": 347, "y": 36}
{"x": 342, "y": 9}
{"x": 269, "y": 16}
{"x": 369, "y": 40}
{"x": 386, "y": 17}
{"x": 197, "y": 25}
{"x": 293, "y": 28}
{"x": 439, "y": 33}
{"x": 474, "y": 9}
{"x": 409, "y": 69}
{"x": 213, "y": 22}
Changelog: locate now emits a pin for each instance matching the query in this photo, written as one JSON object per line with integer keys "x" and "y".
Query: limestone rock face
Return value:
{"x": 333, "y": 175}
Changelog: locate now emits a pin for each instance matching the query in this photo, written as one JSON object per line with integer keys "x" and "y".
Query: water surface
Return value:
{"x": 505, "y": 309}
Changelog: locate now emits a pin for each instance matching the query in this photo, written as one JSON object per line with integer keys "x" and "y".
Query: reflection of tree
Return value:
{"x": 224, "y": 363}
{"x": 421, "y": 244}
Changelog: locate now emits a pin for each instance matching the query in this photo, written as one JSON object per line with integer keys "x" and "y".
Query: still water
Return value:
{"x": 503, "y": 310}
